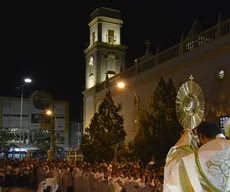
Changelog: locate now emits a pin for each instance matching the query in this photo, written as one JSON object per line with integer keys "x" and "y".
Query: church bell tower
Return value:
{"x": 105, "y": 55}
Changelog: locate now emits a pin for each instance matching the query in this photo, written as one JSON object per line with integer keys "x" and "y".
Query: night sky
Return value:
{"x": 46, "y": 41}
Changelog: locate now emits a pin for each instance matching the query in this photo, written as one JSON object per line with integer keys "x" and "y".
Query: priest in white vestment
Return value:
{"x": 227, "y": 128}
{"x": 204, "y": 169}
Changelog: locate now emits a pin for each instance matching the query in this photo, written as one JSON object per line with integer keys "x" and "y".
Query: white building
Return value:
{"x": 32, "y": 123}
{"x": 203, "y": 54}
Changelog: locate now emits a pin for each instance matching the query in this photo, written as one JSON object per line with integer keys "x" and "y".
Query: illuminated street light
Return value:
{"x": 22, "y": 134}
{"x": 49, "y": 112}
{"x": 121, "y": 85}
{"x": 27, "y": 80}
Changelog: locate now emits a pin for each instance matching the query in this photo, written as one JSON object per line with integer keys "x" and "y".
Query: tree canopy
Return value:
{"x": 105, "y": 132}
{"x": 159, "y": 126}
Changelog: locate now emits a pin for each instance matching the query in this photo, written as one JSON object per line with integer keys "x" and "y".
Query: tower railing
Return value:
{"x": 111, "y": 39}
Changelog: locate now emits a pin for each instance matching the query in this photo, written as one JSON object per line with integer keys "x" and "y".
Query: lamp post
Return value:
{"x": 26, "y": 81}
{"x": 50, "y": 112}
{"x": 122, "y": 85}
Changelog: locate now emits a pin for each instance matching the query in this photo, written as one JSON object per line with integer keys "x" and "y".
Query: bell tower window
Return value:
{"x": 111, "y": 36}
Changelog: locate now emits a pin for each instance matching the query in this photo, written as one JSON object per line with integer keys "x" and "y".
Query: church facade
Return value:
{"x": 204, "y": 54}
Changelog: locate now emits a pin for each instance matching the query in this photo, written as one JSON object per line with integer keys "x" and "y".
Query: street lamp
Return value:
{"x": 26, "y": 81}
{"x": 122, "y": 85}
{"x": 50, "y": 113}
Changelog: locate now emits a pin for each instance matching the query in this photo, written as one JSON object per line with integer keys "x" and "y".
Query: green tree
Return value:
{"x": 171, "y": 94}
{"x": 143, "y": 141}
{"x": 5, "y": 145}
{"x": 159, "y": 127}
{"x": 173, "y": 127}
{"x": 105, "y": 132}
{"x": 42, "y": 144}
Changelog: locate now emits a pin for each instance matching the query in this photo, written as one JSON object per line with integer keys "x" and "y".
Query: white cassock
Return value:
{"x": 142, "y": 185}
{"x": 92, "y": 182}
{"x": 78, "y": 184}
{"x": 99, "y": 176}
{"x": 206, "y": 169}
{"x": 114, "y": 185}
{"x": 56, "y": 174}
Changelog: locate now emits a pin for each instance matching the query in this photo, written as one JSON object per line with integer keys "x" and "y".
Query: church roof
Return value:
{"x": 195, "y": 29}
{"x": 106, "y": 12}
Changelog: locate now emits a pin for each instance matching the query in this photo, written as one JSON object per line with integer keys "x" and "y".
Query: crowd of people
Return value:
{"x": 83, "y": 177}
{"x": 199, "y": 161}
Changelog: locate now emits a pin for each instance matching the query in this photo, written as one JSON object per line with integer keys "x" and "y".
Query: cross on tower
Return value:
{"x": 148, "y": 43}
{"x": 191, "y": 78}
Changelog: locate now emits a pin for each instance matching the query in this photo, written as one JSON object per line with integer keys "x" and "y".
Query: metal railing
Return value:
{"x": 185, "y": 46}
{"x": 111, "y": 39}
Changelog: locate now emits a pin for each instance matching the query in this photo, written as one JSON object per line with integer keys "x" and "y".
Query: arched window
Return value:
{"x": 91, "y": 64}
{"x": 111, "y": 63}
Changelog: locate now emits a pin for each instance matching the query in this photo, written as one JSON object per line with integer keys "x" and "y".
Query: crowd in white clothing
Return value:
{"x": 96, "y": 177}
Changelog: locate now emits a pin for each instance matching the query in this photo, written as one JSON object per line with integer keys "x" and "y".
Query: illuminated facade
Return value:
{"x": 105, "y": 54}
{"x": 203, "y": 54}
{"x": 35, "y": 122}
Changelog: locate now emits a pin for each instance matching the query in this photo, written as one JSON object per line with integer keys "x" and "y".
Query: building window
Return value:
{"x": 111, "y": 36}
{"x": 221, "y": 121}
{"x": 221, "y": 74}
{"x": 93, "y": 37}
{"x": 111, "y": 63}
{"x": 91, "y": 66}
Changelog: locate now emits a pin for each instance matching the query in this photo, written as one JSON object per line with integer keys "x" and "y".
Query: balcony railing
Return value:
{"x": 185, "y": 46}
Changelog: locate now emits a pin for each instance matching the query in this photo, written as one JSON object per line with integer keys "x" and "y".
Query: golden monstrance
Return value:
{"x": 190, "y": 104}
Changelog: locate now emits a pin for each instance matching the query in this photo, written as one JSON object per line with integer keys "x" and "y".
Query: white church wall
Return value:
{"x": 93, "y": 29}
{"x": 204, "y": 69}
{"x": 89, "y": 109}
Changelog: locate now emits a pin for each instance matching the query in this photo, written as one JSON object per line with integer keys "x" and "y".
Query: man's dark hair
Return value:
{"x": 208, "y": 129}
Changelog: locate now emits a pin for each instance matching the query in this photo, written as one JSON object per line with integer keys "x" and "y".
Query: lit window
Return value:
{"x": 111, "y": 36}
{"x": 221, "y": 74}
{"x": 91, "y": 62}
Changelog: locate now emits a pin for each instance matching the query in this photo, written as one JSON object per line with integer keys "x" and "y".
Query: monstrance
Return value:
{"x": 190, "y": 104}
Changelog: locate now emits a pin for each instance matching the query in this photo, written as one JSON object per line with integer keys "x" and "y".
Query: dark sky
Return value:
{"x": 45, "y": 41}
